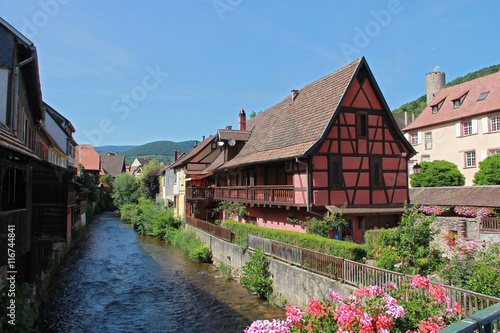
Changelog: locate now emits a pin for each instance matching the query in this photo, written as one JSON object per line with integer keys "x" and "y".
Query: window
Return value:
{"x": 494, "y": 152}
{"x": 456, "y": 104}
{"x": 436, "y": 107}
{"x": 483, "y": 96}
{"x": 13, "y": 194}
{"x": 428, "y": 140}
{"x": 426, "y": 158}
{"x": 376, "y": 169}
{"x": 362, "y": 125}
{"x": 470, "y": 159}
{"x": 414, "y": 139}
{"x": 495, "y": 124}
{"x": 467, "y": 128}
{"x": 335, "y": 171}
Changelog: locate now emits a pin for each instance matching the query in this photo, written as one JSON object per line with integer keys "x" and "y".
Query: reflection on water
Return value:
{"x": 115, "y": 281}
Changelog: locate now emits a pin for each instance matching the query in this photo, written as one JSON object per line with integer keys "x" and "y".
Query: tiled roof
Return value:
{"x": 236, "y": 135}
{"x": 9, "y": 141}
{"x": 193, "y": 152}
{"x": 142, "y": 160}
{"x": 288, "y": 129}
{"x": 113, "y": 164}
{"x": 476, "y": 196}
{"x": 470, "y": 106}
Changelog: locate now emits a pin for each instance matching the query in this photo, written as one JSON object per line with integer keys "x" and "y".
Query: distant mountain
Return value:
{"x": 418, "y": 105}
{"x": 162, "y": 151}
{"x": 102, "y": 150}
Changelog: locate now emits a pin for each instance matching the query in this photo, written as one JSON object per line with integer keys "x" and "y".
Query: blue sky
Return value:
{"x": 131, "y": 72}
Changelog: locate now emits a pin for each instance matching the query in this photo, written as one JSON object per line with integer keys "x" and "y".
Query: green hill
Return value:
{"x": 102, "y": 150}
{"x": 420, "y": 103}
{"x": 162, "y": 151}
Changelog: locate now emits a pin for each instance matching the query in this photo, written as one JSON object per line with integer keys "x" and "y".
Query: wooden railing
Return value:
{"x": 358, "y": 274}
{"x": 270, "y": 194}
{"x": 21, "y": 231}
{"x": 490, "y": 224}
{"x": 216, "y": 230}
{"x": 199, "y": 193}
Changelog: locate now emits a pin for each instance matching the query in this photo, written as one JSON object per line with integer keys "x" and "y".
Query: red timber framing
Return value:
{"x": 362, "y": 159}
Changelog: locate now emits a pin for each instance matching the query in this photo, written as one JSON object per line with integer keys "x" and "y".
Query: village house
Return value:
{"x": 37, "y": 197}
{"x": 112, "y": 164}
{"x": 137, "y": 164}
{"x": 87, "y": 156}
{"x": 332, "y": 144}
{"x": 461, "y": 123}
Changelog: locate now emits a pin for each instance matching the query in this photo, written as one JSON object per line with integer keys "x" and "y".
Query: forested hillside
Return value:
{"x": 102, "y": 150}
{"x": 420, "y": 103}
{"x": 162, "y": 151}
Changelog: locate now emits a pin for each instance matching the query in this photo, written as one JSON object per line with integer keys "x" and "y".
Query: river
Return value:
{"x": 117, "y": 281}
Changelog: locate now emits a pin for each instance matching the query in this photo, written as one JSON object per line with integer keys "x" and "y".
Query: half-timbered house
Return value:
{"x": 332, "y": 143}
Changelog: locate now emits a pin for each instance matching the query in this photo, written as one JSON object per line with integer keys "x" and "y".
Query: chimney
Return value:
{"x": 412, "y": 116}
{"x": 406, "y": 117}
{"x": 229, "y": 128}
{"x": 195, "y": 143}
{"x": 295, "y": 92}
{"x": 203, "y": 138}
{"x": 177, "y": 153}
{"x": 435, "y": 81}
{"x": 243, "y": 121}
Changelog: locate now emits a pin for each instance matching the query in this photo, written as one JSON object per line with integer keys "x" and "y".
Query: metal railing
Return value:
{"x": 214, "y": 229}
{"x": 490, "y": 224}
{"x": 270, "y": 194}
{"x": 358, "y": 274}
{"x": 487, "y": 321}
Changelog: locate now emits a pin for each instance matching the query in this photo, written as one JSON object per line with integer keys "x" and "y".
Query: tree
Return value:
{"x": 149, "y": 179}
{"x": 437, "y": 173}
{"x": 489, "y": 171}
{"x": 126, "y": 190}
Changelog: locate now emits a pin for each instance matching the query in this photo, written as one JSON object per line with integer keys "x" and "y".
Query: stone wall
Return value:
{"x": 462, "y": 226}
{"x": 296, "y": 285}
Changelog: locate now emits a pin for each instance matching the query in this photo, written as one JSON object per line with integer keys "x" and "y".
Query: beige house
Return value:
{"x": 460, "y": 124}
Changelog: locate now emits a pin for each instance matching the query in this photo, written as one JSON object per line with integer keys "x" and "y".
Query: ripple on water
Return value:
{"x": 117, "y": 282}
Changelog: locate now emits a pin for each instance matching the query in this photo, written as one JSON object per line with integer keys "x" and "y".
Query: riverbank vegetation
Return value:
{"x": 147, "y": 219}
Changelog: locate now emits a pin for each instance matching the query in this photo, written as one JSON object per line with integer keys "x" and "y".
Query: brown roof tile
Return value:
{"x": 287, "y": 129}
{"x": 236, "y": 135}
{"x": 470, "y": 106}
{"x": 113, "y": 164}
{"x": 475, "y": 196}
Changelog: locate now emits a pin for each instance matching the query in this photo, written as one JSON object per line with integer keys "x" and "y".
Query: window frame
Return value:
{"x": 494, "y": 121}
{"x": 333, "y": 180}
{"x": 362, "y": 125}
{"x": 414, "y": 139}
{"x": 428, "y": 143}
{"x": 467, "y": 128}
{"x": 472, "y": 158}
{"x": 376, "y": 178}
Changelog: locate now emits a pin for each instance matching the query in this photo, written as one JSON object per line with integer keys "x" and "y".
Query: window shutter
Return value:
{"x": 419, "y": 137}
{"x": 486, "y": 125}
{"x": 458, "y": 128}
{"x": 407, "y": 136}
{"x": 484, "y": 154}
{"x": 474, "y": 126}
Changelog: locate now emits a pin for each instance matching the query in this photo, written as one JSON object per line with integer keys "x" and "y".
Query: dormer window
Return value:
{"x": 457, "y": 102}
{"x": 483, "y": 96}
{"x": 436, "y": 107}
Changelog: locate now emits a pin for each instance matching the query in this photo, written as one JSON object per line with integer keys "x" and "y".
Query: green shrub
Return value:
{"x": 334, "y": 247}
{"x": 225, "y": 270}
{"x": 255, "y": 275}
{"x": 128, "y": 212}
{"x": 188, "y": 241}
{"x": 200, "y": 253}
{"x": 485, "y": 278}
{"x": 89, "y": 215}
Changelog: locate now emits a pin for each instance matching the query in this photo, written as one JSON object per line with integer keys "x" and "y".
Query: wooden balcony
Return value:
{"x": 14, "y": 225}
{"x": 199, "y": 193}
{"x": 276, "y": 195}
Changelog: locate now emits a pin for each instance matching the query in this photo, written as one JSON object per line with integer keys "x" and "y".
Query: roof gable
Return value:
{"x": 113, "y": 164}
{"x": 469, "y": 107}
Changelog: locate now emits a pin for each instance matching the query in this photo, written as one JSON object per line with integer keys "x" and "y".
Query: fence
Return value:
{"x": 358, "y": 274}
{"x": 487, "y": 320}
{"x": 490, "y": 224}
{"x": 216, "y": 230}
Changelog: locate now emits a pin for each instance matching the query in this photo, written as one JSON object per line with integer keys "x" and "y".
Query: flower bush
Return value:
{"x": 473, "y": 212}
{"x": 429, "y": 210}
{"x": 371, "y": 309}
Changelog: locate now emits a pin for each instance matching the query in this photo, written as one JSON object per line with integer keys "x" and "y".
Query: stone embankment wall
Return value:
{"x": 296, "y": 285}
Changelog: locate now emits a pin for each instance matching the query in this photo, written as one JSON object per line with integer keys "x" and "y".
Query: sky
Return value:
{"x": 129, "y": 72}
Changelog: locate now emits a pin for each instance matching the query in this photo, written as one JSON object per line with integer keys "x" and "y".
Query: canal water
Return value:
{"x": 117, "y": 281}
